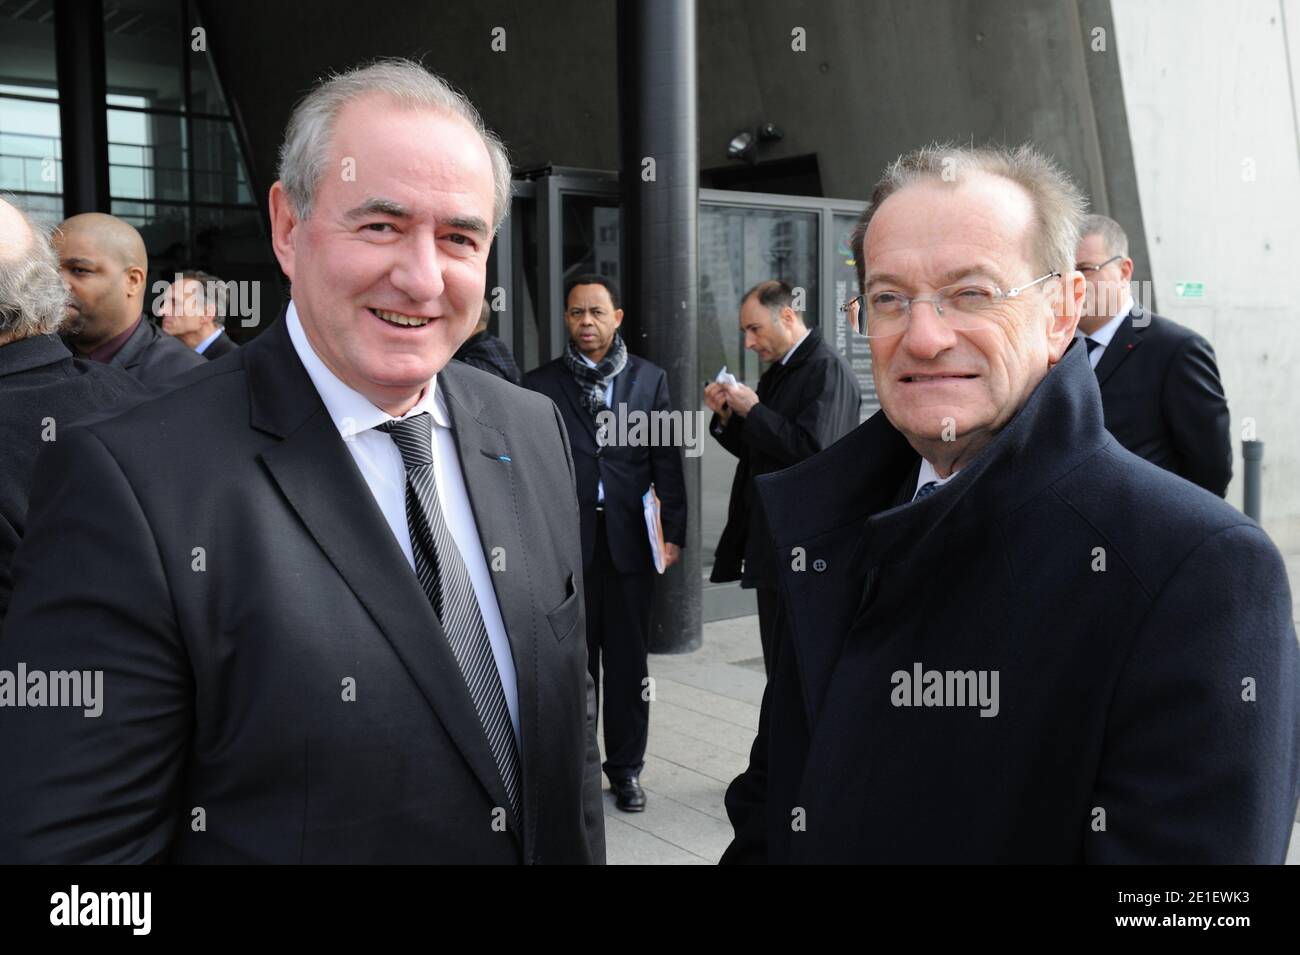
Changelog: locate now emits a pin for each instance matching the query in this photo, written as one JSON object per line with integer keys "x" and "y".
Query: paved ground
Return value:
{"x": 702, "y": 723}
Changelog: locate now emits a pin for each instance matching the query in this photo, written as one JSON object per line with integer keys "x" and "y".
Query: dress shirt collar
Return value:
{"x": 786, "y": 357}
{"x": 930, "y": 475}
{"x": 203, "y": 345}
{"x": 351, "y": 411}
{"x": 1103, "y": 335}
{"x": 106, "y": 352}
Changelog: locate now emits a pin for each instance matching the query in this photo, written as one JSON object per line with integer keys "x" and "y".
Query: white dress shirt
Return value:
{"x": 201, "y": 347}
{"x": 929, "y": 474}
{"x": 1103, "y": 335}
{"x": 380, "y": 463}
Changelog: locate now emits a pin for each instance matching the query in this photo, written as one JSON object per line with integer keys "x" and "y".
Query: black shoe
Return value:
{"x": 628, "y": 794}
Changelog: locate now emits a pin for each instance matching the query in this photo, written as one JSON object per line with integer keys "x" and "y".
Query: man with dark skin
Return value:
{"x": 104, "y": 266}
{"x": 596, "y": 379}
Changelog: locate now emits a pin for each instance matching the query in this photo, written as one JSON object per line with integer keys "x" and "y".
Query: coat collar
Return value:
{"x": 849, "y": 524}
{"x": 132, "y": 352}
{"x": 34, "y": 352}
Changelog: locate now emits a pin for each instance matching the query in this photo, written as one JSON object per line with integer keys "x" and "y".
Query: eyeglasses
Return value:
{"x": 964, "y": 306}
{"x": 1097, "y": 268}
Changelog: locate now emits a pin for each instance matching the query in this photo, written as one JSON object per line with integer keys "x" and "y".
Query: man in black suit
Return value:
{"x": 602, "y": 392}
{"x": 484, "y": 350}
{"x": 104, "y": 266}
{"x": 1009, "y": 639}
{"x": 806, "y": 401}
{"x": 42, "y": 387}
{"x": 193, "y": 310}
{"x": 361, "y": 641}
{"x": 1159, "y": 381}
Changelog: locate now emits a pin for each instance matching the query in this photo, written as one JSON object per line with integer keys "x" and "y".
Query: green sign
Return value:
{"x": 1190, "y": 289}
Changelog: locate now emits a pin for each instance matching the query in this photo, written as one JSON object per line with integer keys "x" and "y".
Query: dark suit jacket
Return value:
{"x": 628, "y": 471}
{"x": 806, "y": 405}
{"x": 41, "y": 386}
{"x": 1164, "y": 401}
{"x": 489, "y": 353}
{"x": 222, "y": 345}
{"x": 153, "y": 357}
{"x": 1122, "y": 608}
{"x": 225, "y": 668}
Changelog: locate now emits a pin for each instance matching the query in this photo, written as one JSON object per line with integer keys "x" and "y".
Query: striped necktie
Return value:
{"x": 446, "y": 582}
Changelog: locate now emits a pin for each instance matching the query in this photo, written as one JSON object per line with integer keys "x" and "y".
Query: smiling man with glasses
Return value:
{"x": 1159, "y": 381}
{"x": 1006, "y": 638}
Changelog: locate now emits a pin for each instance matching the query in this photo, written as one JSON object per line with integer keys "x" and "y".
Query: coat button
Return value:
{"x": 819, "y": 565}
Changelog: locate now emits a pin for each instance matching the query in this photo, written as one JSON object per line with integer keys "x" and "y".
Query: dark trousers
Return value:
{"x": 768, "y": 625}
{"x": 618, "y": 632}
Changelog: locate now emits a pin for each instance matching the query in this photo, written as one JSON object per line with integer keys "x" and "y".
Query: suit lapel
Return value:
{"x": 318, "y": 477}
{"x": 131, "y": 352}
{"x": 488, "y": 467}
{"x": 569, "y": 386}
{"x": 1126, "y": 339}
{"x": 623, "y": 385}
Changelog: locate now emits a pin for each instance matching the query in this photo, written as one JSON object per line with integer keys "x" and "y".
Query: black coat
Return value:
{"x": 224, "y": 685}
{"x": 805, "y": 406}
{"x": 43, "y": 389}
{"x": 1163, "y": 399}
{"x": 489, "y": 353}
{"x": 1122, "y": 608}
{"x": 628, "y": 471}
{"x": 153, "y": 357}
{"x": 221, "y": 346}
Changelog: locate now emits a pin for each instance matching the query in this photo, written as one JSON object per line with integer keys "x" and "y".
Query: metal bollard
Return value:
{"x": 1252, "y": 452}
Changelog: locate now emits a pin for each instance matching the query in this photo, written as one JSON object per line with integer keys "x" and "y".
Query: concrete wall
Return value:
{"x": 1211, "y": 91}
{"x": 876, "y": 78}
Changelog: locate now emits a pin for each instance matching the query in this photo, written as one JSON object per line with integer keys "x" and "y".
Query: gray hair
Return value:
{"x": 32, "y": 295}
{"x": 1112, "y": 234}
{"x": 305, "y": 151}
{"x": 1058, "y": 203}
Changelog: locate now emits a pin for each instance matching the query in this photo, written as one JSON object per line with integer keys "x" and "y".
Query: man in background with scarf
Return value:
{"x": 596, "y": 375}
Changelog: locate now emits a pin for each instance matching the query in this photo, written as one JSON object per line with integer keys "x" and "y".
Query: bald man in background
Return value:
{"x": 42, "y": 387}
{"x": 104, "y": 265}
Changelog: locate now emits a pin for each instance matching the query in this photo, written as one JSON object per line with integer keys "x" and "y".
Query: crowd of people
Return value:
{"x": 357, "y": 589}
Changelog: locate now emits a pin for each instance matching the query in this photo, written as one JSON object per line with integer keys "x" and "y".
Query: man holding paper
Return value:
{"x": 598, "y": 387}
{"x": 806, "y": 401}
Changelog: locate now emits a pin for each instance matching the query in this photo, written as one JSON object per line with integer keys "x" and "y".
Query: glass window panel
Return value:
{"x": 739, "y": 247}
{"x": 166, "y": 233}
{"x": 226, "y": 237}
{"x": 590, "y": 228}
{"x": 527, "y": 346}
{"x": 47, "y": 210}
{"x": 143, "y": 46}
{"x": 146, "y": 156}
{"x": 27, "y": 49}
{"x": 218, "y": 170}
{"x": 31, "y": 156}
{"x": 205, "y": 94}
{"x": 855, "y": 349}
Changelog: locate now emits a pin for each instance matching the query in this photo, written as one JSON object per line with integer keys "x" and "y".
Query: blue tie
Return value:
{"x": 926, "y": 489}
